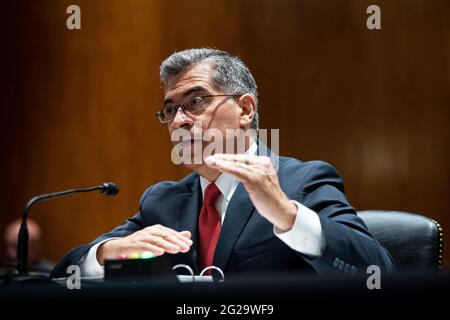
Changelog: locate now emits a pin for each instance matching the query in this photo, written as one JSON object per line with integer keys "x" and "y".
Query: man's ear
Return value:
{"x": 247, "y": 104}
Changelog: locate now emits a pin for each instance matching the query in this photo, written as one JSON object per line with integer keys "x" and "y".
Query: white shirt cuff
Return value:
{"x": 89, "y": 264}
{"x": 306, "y": 235}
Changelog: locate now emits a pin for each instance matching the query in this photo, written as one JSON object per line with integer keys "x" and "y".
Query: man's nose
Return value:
{"x": 181, "y": 120}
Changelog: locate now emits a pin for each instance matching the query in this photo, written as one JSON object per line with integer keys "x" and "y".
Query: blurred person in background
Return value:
{"x": 37, "y": 263}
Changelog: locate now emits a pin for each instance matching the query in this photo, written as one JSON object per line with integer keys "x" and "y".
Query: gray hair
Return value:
{"x": 230, "y": 74}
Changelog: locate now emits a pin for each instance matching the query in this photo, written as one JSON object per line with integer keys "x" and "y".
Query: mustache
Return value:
{"x": 188, "y": 142}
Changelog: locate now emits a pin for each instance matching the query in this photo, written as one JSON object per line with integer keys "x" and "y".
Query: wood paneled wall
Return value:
{"x": 77, "y": 107}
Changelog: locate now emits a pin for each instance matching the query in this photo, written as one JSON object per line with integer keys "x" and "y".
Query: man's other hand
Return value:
{"x": 156, "y": 239}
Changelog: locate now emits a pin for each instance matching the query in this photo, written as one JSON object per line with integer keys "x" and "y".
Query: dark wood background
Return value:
{"x": 77, "y": 107}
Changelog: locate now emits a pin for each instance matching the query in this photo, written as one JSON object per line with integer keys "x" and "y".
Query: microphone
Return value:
{"x": 108, "y": 188}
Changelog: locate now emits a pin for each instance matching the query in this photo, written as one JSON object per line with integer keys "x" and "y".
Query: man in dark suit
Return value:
{"x": 243, "y": 210}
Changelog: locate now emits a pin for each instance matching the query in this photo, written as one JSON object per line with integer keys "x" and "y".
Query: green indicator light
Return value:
{"x": 147, "y": 255}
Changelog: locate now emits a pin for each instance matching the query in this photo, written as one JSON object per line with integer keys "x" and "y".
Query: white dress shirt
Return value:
{"x": 305, "y": 236}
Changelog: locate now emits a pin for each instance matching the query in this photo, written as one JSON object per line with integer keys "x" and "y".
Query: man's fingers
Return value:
{"x": 145, "y": 246}
{"x": 175, "y": 242}
{"x": 168, "y": 242}
{"x": 243, "y": 158}
{"x": 186, "y": 234}
{"x": 238, "y": 171}
{"x": 254, "y": 166}
{"x": 167, "y": 245}
{"x": 171, "y": 240}
{"x": 158, "y": 239}
{"x": 167, "y": 232}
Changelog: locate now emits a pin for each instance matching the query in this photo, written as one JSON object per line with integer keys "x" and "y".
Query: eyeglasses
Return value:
{"x": 194, "y": 105}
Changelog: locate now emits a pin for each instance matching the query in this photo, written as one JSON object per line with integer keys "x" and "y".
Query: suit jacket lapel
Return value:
{"x": 238, "y": 212}
{"x": 189, "y": 208}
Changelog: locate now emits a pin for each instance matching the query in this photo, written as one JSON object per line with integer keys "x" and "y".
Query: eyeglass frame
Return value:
{"x": 182, "y": 104}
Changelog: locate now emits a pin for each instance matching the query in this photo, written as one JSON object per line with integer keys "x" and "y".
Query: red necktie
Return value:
{"x": 208, "y": 226}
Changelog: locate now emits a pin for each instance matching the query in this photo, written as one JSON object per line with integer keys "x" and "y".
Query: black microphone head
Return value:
{"x": 110, "y": 189}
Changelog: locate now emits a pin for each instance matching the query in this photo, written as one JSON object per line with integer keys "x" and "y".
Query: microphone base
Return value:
{"x": 14, "y": 279}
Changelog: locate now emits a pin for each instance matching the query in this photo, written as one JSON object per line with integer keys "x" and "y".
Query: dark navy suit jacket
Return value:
{"x": 247, "y": 242}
